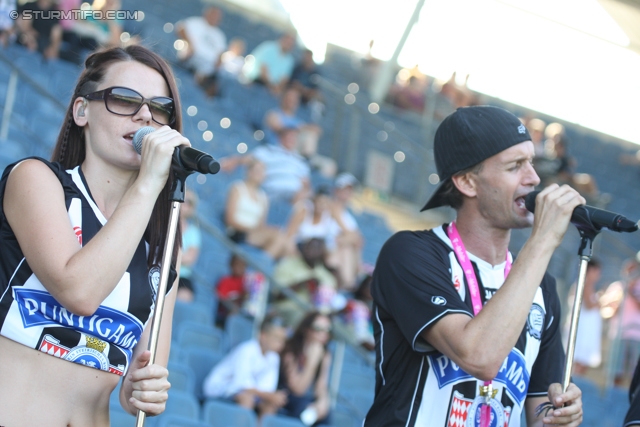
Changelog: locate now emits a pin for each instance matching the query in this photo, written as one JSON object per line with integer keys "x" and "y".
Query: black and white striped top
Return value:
{"x": 31, "y": 316}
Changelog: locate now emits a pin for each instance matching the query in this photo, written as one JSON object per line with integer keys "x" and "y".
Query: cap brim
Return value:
{"x": 436, "y": 200}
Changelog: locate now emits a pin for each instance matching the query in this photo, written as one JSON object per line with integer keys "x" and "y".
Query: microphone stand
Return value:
{"x": 585, "y": 252}
{"x": 180, "y": 175}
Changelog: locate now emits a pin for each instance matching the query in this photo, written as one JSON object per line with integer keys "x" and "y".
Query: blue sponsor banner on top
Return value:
{"x": 39, "y": 308}
{"x": 513, "y": 373}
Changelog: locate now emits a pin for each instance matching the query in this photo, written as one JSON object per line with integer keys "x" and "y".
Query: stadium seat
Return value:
{"x": 218, "y": 413}
{"x": 190, "y": 333}
{"x": 201, "y": 360}
{"x": 183, "y": 404}
{"x": 178, "y": 421}
{"x": 181, "y": 377}
{"x": 239, "y": 328}
{"x": 342, "y": 417}
{"x": 357, "y": 379}
{"x": 358, "y": 401}
{"x": 193, "y": 312}
{"x": 280, "y": 421}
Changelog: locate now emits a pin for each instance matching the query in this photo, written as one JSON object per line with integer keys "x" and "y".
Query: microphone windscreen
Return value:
{"x": 139, "y": 135}
{"x": 530, "y": 201}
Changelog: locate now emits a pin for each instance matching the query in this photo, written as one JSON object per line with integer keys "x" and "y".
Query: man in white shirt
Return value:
{"x": 205, "y": 43}
{"x": 248, "y": 375}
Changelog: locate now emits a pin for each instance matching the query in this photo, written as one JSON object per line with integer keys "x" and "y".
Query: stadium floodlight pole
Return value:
{"x": 381, "y": 83}
{"x": 177, "y": 197}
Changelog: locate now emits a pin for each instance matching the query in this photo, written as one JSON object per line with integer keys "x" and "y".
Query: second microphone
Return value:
{"x": 188, "y": 157}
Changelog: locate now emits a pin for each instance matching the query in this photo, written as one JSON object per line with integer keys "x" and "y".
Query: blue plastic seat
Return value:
{"x": 193, "y": 312}
{"x": 181, "y": 377}
{"x": 170, "y": 420}
{"x": 358, "y": 401}
{"x": 280, "y": 421}
{"x": 218, "y": 413}
{"x": 189, "y": 334}
{"x": 201, "y": 361}
{"x": 239, "y": 329}
{"x": 183, "y": 404}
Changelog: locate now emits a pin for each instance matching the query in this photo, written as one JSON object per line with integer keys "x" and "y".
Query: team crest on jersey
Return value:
{"x": 52, "y": 346}
{"x": 154, "y": 280}
{"x": 458, "y": 410}
{"x": 535, "y": 321}
{"x": 498, "y": 416}
{"x": 90, "y": 355}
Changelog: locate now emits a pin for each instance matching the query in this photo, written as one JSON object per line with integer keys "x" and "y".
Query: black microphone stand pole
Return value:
{"x": 180, "y": 175}
{"x": 585, "y": 252}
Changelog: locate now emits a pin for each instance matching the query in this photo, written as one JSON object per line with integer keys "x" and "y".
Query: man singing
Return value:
{"x": 465, "y": 334}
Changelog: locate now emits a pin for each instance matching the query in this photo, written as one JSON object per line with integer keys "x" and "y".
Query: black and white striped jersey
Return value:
{"x": 30, "y": 315}
{"x": 418, "y": 280}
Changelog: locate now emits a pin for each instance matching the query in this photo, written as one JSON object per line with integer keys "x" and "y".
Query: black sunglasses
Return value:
{"x": 127, "y": 102}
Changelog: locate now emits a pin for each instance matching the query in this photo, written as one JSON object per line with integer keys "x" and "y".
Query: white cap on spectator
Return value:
{"x": 345, "y": 179}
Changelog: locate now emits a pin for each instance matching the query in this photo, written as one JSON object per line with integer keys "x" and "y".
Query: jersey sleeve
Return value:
{"x": 412, "y": 282}
{"x": 547, "y": 369}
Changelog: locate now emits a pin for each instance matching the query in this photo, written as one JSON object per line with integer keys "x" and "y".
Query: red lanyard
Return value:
{"x": 474, "y": 292}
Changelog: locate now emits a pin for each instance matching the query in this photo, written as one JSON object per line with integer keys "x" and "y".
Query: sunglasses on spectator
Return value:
{"x": 127, "y": 102}
{"x": 320, "y": 328}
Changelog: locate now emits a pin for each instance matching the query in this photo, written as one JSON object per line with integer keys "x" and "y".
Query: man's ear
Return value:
{"x": 80, "y": 111}
{"x": 466, "y": 183}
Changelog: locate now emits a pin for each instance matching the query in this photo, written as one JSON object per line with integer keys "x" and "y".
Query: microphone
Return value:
{"x": 589, "y": 217}
{"x": 188, "y": 158}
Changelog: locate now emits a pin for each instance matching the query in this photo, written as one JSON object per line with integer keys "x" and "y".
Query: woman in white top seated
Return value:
{"x": 246, "y": 214}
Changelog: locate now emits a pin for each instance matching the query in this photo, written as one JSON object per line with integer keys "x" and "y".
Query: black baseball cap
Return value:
{"x": 467, "y": 137}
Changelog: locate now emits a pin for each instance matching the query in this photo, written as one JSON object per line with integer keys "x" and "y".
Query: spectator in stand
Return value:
{"x": 357, "y": 314}
{"x": 348, "y": 239}
{"x": 305, "y": 274}
{"x": 588, "y": 350}
{"x": 232, "y": 61}
{"x": 246, "y": 212}
{"x": 410, "y": 95}
{"x": 287, "y": 174}
{"x": 303, "y": 78}
{"x": 205, "y": 43}
{"x": 191, "y": 242}
{"x": 37, "y": 33}
{"x": 249, "y": 374}
{"x": 6, "y": 23}
{"x": 313, "y": 218}
{"x": 272, "y": 63}
{"x": 621, "y": 303}
{"x": 231, "y": 290}
{"x": 84, "y": 35}
{"x": 304, "y": 372}
{"x": 287, "y": 116}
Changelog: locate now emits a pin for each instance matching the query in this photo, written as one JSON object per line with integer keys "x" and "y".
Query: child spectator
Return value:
{"x": 230, "y": 290}
{"x": 249, "y": 374}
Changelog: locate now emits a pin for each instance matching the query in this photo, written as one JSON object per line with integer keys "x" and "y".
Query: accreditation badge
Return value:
{"x": 486, "y": 397}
